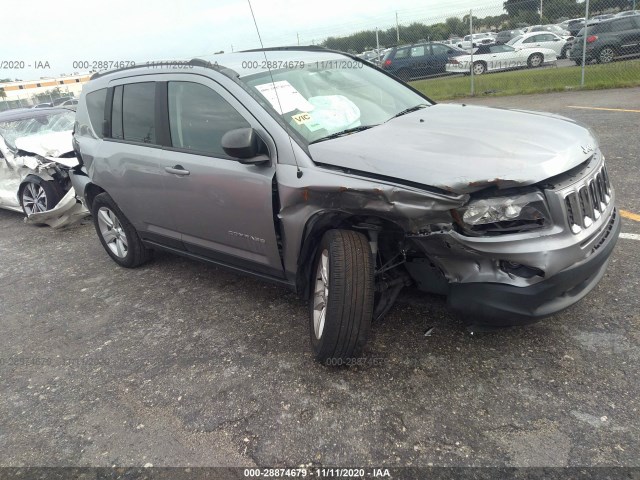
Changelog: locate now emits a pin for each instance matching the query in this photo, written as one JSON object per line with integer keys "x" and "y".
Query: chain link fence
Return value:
{"x": 501, "y": 48}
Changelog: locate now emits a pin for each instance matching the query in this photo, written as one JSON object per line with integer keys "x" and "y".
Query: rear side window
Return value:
{"x": 199, "y": 117}
{"x": 401, "y": 53}
{"x": 135, "y": 113}
{"x": 95, "y": 108}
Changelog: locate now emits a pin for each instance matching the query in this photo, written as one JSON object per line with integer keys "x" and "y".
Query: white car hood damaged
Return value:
{"x": 463, "y": 149}
{"x": 39, "y": 155}
{"x": 50, "y": 146}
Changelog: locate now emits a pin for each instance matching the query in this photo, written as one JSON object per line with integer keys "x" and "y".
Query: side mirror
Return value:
{"x": 246, "y": 145}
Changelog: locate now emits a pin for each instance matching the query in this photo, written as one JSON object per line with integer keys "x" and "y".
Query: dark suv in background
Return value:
{"x": 419, "y": 60}
{"x": 608, "y": 40}
{"x": 506, "y": 35}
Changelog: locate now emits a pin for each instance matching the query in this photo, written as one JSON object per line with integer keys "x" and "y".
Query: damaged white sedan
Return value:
{"x": 36, "y": 155}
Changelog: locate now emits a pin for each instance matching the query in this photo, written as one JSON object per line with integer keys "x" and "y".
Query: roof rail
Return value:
{"x": 312, "y": 48}
{"x": 196, "y": 62}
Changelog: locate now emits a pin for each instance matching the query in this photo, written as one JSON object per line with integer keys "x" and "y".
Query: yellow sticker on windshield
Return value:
{"x": 301, "y": 118}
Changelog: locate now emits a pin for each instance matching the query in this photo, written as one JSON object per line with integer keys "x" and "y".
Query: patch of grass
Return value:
{"x": 543, "y": 80}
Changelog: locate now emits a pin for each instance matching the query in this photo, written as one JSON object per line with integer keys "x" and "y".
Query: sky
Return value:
{"x": 39, "y": 34}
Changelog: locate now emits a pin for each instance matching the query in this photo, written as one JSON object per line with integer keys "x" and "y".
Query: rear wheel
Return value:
{"x": 118, "y": 237}
{"x": 404, "y": 75}
{"x": 606, "y": 55}
{"x": 38, "y": 195}
{"x": 535, "y": 60}
{"x": 565, "y": 52}
{"x": 341, "y": 306}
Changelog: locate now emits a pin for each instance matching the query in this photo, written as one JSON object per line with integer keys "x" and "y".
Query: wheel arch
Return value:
{"x": 91, "y": 191}
{"x": 317, "y": 225}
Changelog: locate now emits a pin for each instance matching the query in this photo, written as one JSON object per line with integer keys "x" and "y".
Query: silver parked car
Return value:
{"x": 329, "y": 176}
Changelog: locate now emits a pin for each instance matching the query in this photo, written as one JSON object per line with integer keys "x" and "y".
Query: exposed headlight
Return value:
{"x": 505, "y": 214}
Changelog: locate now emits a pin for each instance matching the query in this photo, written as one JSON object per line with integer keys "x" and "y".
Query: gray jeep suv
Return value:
{"x": 321, "y": 172}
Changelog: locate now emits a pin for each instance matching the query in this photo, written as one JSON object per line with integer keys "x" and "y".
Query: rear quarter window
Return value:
{"x": 95, "y": 107}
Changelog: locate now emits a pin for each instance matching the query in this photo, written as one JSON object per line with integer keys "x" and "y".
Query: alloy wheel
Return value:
{"x": 321, "y": 294}
{"x": 34, "y": 198}
{"x": 112, "y": 232}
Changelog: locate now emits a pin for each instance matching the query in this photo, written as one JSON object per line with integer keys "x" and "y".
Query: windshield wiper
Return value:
{"x": 343, "y": 132}
{"x": 409, "y": 110}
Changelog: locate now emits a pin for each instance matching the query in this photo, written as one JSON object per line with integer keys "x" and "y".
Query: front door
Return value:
{"x": 222, "y": 208}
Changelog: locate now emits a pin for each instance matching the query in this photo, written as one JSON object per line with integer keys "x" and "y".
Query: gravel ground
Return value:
{"x": 183, "y": 364}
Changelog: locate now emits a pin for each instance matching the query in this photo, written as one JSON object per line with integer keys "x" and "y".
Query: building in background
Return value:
{"x": 46, "y": 90}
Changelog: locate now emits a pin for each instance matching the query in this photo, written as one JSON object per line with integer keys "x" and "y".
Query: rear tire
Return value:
{"x": 118, "y": 237}
{"x": 404, "y": 75}
{"x": 341, "y": 305}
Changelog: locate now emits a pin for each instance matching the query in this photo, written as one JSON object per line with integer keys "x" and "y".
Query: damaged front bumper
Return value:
{"x": 518, "y": 278}
{"x": 499, "y": 304}
{"x": 67, "y": 212}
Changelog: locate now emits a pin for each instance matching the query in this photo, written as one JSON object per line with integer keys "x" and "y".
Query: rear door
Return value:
{"x": 130, "y": 169}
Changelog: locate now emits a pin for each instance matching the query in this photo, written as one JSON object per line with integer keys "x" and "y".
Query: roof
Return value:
{"x": 242, "y": 63}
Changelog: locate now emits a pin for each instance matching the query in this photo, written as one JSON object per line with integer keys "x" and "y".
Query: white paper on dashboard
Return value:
{"x": 283, "y": 97}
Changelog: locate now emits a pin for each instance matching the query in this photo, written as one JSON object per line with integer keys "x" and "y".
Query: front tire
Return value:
{"x": 479, "y": 68}
{"x": 341, "y": 305}
{"x": 606, "y": 55}
{"x": 118, "y": 237}
{"x": 38, "y": 195}
{"x": 535, "y": 60}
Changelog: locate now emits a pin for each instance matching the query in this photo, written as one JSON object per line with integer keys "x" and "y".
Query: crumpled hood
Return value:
{"x": 463, "y": 149}
{"x": 50, "y": 146}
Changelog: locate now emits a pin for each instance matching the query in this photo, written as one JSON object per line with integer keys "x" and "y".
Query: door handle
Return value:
{"x": 177, "y": 170}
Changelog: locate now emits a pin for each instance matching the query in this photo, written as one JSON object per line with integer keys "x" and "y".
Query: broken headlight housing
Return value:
{"x": 509, "y": 214}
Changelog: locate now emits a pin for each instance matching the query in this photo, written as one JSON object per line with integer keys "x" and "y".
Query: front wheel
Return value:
{"x": 38, "y": 195}
{"x": 341, "y": 306}
{"x": 118, "y": 237}
{"x": 479, "y": 68}
{"x": 535, "y": 60}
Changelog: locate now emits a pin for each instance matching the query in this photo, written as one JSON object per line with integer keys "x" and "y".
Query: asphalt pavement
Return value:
{"x": 183, "y": 364}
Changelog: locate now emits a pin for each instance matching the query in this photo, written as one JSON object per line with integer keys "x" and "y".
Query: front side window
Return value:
{"x": 418, "y": 51}
{"x": 199, "y": 117}
{"x": 624, "y": 24}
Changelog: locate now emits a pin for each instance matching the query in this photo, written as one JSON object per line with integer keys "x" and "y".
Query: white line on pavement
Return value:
{"x": 630, "y": 236}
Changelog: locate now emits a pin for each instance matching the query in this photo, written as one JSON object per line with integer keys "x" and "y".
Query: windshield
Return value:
{"x": 514, "y": 40}
{"x": 328, "y": 97}
{"x": 36, "y": 125}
